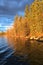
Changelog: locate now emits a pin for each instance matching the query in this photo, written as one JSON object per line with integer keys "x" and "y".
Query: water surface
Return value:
{"x": 30, "y": 53}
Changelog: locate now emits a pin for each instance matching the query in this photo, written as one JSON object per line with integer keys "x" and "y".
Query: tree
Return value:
{"x": 26, "y": 11}
{"x": 36, "y": 12}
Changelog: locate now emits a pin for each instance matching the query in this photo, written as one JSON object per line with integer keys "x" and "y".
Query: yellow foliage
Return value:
{"x": 32, "y": 22}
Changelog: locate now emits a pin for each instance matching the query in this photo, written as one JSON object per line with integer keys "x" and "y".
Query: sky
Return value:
{"x": 9, "y": 9}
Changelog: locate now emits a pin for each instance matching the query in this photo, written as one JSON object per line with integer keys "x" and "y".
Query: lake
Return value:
{"x": 30, "y": 53}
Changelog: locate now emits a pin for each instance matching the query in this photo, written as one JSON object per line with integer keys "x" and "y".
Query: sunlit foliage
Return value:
{"x": 29, "y": 25}
{"x": 35, "y": 17}
{"x": 24, "y": 28}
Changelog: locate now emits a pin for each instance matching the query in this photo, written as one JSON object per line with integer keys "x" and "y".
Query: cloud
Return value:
{"x": 8, "y": 9}
{"x": 11, "y": 7}
{"x": 5, "y": 23}
{"x": 0, "y": 25}
{"x": 5, "y": 27}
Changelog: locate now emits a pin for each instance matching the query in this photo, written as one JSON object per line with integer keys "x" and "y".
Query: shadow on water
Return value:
{"x": 24, "y": 52}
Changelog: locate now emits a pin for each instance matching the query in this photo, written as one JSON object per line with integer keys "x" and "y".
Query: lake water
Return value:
{"x": 8, "y": 57}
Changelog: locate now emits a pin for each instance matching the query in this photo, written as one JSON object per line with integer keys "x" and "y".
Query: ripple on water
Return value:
{"x": 5, "y": 51}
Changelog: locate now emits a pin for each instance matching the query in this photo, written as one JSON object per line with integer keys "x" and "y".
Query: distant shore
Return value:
{"x": 2, "y": 33}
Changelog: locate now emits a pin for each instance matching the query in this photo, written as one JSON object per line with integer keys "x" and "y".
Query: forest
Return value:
{"x": 29, "y": 25}
{"x": 23, "y": 42}
{"x": 25, "y": 28}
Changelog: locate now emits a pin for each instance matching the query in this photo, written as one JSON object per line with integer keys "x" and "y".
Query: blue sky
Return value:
{"x": 9, "y": 9}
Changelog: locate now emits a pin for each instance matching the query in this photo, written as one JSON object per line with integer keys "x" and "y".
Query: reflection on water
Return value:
{"x": 26, "y": 53}
{"x": 5, "y": 51}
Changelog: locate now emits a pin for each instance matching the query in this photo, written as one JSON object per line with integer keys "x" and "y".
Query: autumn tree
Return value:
{"x": 32, "y": 22}
{"x": 26, "y": 11}
{"x": 36, "y": 12}
{"x": 22, "y": 26}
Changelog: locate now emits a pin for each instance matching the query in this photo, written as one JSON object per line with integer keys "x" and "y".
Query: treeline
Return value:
{"x": 31, "y": 24}
{"x": 2, "y": 33}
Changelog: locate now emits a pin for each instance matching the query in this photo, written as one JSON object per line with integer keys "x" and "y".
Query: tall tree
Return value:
{"x": 26, "y": 11}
